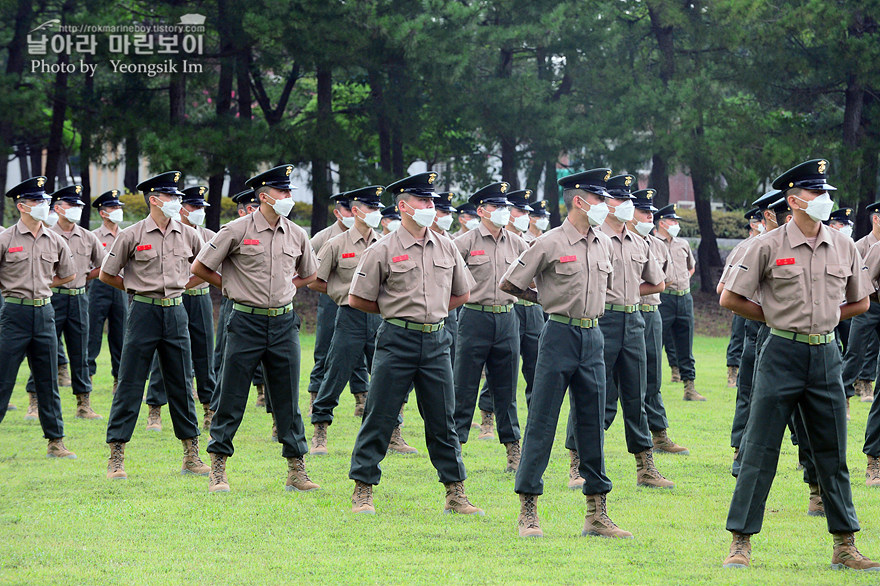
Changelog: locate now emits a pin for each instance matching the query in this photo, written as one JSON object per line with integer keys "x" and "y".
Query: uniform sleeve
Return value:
{"x": 651, "y": 272}
{"x": 97, "y": 256}
{"x": 529, "y": 263}
{"x": 745, "y": 276}
{"x": 308, "y": 262}
{"x": 462, "y": 279}
{"x": 65, "y": 267}
{"x": 859, "y": 285}
{"x": 197, "y": 244}
{"x": 119, "y": 253}
{"x": 214, "y": 252}
{"x": 691, "y": 261}
{"x": 368, "y": 275}
{"x": 872, "y": 264}
{"x": 326, "y": 260}
{"x": 460, "y": 246}
{"x": 318, "y": 241}
{"x": 729, "y": 263}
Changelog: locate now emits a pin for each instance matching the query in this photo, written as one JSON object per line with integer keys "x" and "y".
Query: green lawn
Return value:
{"x": 63, "y": 522}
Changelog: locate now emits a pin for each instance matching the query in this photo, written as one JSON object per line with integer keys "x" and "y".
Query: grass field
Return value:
{"x": 62, "y": 522}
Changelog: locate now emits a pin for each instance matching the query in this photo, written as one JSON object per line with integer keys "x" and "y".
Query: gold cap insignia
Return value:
{"x": 791, "y": 184}
{"x": 176, "y": 177}
{"x": 543, "y": 203}
{"x": 379, "y": 191}
{"x": 577, "y": 185}
{"x": 114, "y": 192}
{"x": 289, "y": 170}
{"x": 822, "y": 165}
{"x": 628, "y": 181}
{"x": 431, "y": 178}
{"x": 202, "y": 190}
{"x": 528, "y": 193}
{"x": 41, "y": 181}
{"x": 649, "y": 194}
{"x": 78, "y": 189}
{"x": 504, "y": 186}
{"x": 848, "y": 211}
{"x": 607, "y": 175}
{"x": 675, "y": 207}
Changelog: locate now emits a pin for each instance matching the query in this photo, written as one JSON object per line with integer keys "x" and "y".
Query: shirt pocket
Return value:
{"x": 252, "y": 257}
{"x": 787, "y": 283}
{"x": 146, "y": 262}
{"x": 402, "y": 276}
{"x": 289, "y": 260}
{"x": 837, "y": 277}
{"x": 480, "y": 267}
{"x": 443, "y": 268}
{"x": 46, "y": 267}
{"x": 569, "y": 276}
{"x": 180, "y": 258}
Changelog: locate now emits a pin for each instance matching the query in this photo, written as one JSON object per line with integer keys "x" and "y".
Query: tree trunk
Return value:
{"x": 659, "y": 180}
{"x": 59, "y": 112}
{"x": 177, "y": 99}
{"x": 132, "y": 162}
{"x": 708, "y": 257}
{"x": 321, "y": 185}
{"x": 551, "y": 193}
{"x": 377, "y": 93}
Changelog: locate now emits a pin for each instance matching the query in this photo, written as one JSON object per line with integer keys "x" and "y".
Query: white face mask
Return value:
{"x": 674, "y": 230}
{"x": 542, "y": 224}
{"x": 115, "y": 216}
{"x": 759, "y": 228}
{"x": 597, "y": 213}
{"x": 624, "y": 212}
{"x": 644, "y": 228}
{"x": 171, "y": 209}
{"x": 196, "y": 217}
{"x": 819, "y": 209}
{"x": 521, "y": 223}
{"x": 444, "y": 223}
{"x": 393, "y": 225}
{"x": 284, "y": 206}
{"x": 51, "y": 220}
{"x": 500, "y": 217}
{"x": 373, "y": 219}
{"x": 73, "y": 214}
{"x": 39, "y": 212}
{"x": 423, "y": 217}
{"x": 472, "y": 224}
{"x": 347, "y": 221}
{"x": 847, "y": 231}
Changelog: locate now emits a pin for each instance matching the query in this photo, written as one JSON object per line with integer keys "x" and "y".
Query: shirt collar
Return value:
{"x": 408, "y": 239}
{"x": 355, "y": 236}
{"x": 22, "y": 229}
{"x": 573, "y": 234}
{"x": 151, "y": 225}
{"x": 611, "y": 232}
{"x": 796, "y": 237}
{"x": 486, "y": 233}
{"x": 262, "y": 224}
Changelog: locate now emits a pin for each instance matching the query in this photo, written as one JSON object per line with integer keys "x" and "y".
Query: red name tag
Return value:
{"x": 251, "y": 242}
{"x": 347, "y": 255}
{"x": 567, "y": 258}
{"x": 478, "y": 252}
{"x": 784, "y": 261}
{"x": 145, "y": 247}
{"x": 400, "y": 258}
{"x": 17, "y": 249}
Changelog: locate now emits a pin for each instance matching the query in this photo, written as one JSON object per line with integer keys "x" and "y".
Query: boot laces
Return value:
{"x": 116, "y": 452}
{"x": 218, "y": 471}
{"x": 362, "y": 493}
{"x": 513, "y": 451}
{"x": 874, "y": 468}
{"x": 320, "y": 433}
{"x": 740, "y": 546}
{"x": 530, "y": 512}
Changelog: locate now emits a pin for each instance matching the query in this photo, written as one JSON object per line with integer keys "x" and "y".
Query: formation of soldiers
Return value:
{"x": 405, "y": 306}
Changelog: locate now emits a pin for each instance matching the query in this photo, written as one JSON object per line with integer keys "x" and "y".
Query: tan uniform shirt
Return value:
{"x": 206, "y": 236}
{"x": 733, "y": 258}
{"x": 487, "y": 260}
{"x": 865, "y": 243}
{"x": 572, "y": 272}
{"x": 633, "y": 264}
{"x": 338, "y": 259}
{"x": 661, "y": 254}
{"x": 87, "y": 250}
{"x": 459, "y": 232}
{"x": 528, "y": 237}
{"x": 412, "y": 279}
{"x": 321, "y": 238}
{"x": 681, "y": 262}
{"x": 871, "y": 260}
{"x": 158, "y": 264}
{"x": 258, "y": 262}
{"x": 801, "y": 287}
{"x": 28, "y": 265}
{"x": 106, "y": 237}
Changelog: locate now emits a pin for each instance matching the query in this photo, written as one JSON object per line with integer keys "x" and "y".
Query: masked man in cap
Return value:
{"x": 259, "y": 262}
{"x": 390, "y": 219}
{"x": 467, "y": 219}
{"x": 155, "y": 254}
{"x": 803, "y": 271}
{"x": 33, "y": 259}
{"x": 413, "y": 278}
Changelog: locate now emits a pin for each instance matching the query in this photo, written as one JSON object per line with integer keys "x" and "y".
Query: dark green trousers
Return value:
{"x": 405, "y": 358}
{"x": 273, "y": 341}
{"x": 872, "y": 431}
{"x": 151, "y": 329}
{"x": 220, "y": 347}
{"x": 569, "y": 357}
{"x": 30, "y": 332}
{"x": 531, "y": 320}
{"x": 106, "y": 304}
{"x": 489, "y": 340}
{"x": 200, "y": 314}
{"x": 354, "y": 341}
{"x": 860, "y": 359}
{"x": 626, "y": 378}
{"x": 678, "y": 332}
{"x": 72, "y": 321}
{"x": 654, "y": 408}
{"x": 795, "y": 376}
{"x": 744, "y": 384}
{"x": 737, "y": 338}
{"x": 326, "y": 322}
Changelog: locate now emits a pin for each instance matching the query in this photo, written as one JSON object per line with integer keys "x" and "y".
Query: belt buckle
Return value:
{"x": 498, "y": 309}
{"x": 425, "y": 328}
{"x": 273, "y": 312}
{"x": 165, "y": 302}
{"x": 629, "y": 309}
{"x": 817, "y": 337}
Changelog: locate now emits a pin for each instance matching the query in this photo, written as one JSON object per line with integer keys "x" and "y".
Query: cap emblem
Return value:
{"x": 822, "y": 165}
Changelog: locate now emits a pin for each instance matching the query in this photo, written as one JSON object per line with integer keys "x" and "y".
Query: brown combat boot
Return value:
{"x": 867, "y": 391}
{"x": 690, "y": 393}
{"x": 209, "y": 416}
{"x": 598, "y": 523}
{"x": 154, "y": 418}
{"x": 676, "y": 374}
{"x": 872, "y": 473}
{"x": 319, "y": 440}
{"x": 528, "y": 516}
{"x": 487, "y": 426}
{"x": 402, "y": 407}
{"x": 192, "y": 464}
{"x": 274, "y": 429}
{"x": 360, "y": 399}
{"x": 84, "y": 407}
{"x": 663, "y": 444}
{"x": 647, "y": 473}
{"x": 11, "y": 407}
{"x": 740, "y": 552}
{"x": 261, "y": 396}
{"x": 816, "y": 508}
{"x": 457, "y": 501}
{"x": 362, "y": 498}
{"x": 63, "y": 376}
{"x": 297, "y": 479}
{"x": 115, "y": 384}
{"x": 846, "y": 556}
{"x": 33, "y": 411}
{"x": 312, "y": 397}
{"x": 398, "y": 445}
{"x": 513, "y": 456}
{"x": 56, "y": 449}
{"x": 575, "y": 481}
{"x": 732, "y": 373}
{"x": 217, "y": 481}
{"x": 116, "y": 463}
{"x": 857, "y": 387}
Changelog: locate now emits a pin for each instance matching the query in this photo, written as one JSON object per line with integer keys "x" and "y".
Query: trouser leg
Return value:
{"x": 474, "y": 343}
{"x": 283, "y": 353}
{"x": 737, "y": 336}
{"x": 175, "y": 361}
{"x": 744, "y": 384}
{"x": 200, "y": 313}
{"x": 76, "y": 334}
{"x": 668, "y": 315}
{"x": 654, "y": 408}
{"x": 325, "y": 323}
